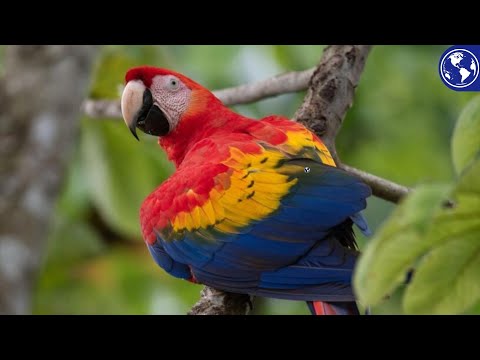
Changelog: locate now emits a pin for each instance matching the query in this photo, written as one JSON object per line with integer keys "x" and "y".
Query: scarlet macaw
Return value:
{"x": 254, "y": 207}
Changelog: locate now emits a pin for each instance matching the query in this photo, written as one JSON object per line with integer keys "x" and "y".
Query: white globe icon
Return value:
{"x": 459, "y": 68}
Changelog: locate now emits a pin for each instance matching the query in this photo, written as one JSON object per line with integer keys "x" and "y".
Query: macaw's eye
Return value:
{"x": 173, "y": 84}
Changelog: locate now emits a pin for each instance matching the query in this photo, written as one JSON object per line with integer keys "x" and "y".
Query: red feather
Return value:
{"x": 214, "y": 150}
{"x": 147, "y": 73}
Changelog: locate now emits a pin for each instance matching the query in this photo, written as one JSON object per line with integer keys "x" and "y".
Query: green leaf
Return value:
{"x": 464, "y": 216}
{"x": 397, "y": 245}
{"x": 466, "y": 136}
{"x": 446, "y": 280}
{"x": 120, "y": 172}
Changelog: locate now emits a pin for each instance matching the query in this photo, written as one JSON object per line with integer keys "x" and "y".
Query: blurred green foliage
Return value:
{"x": 399, "y": 128}
{"x": 397, "y": 244}
{"x": 436, "y": 232}
{"x": 466, "y": 139}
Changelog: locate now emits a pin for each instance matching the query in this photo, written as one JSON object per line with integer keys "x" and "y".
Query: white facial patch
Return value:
{"x": 172, "y": 96}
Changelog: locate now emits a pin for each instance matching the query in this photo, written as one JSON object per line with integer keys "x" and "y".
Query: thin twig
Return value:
{"x": 102, "y": 109}
{"x": 280, "y": 84}
{"x": 381, "y": 188}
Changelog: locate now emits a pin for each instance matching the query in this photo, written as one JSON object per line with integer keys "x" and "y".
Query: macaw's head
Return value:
{"x": 156, "y": 100}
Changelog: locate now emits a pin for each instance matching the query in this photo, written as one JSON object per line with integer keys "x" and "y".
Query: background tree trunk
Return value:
{"x": 40, "y": 97}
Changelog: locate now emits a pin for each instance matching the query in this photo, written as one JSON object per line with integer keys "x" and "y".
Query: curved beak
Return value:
{"x": 139, "y": 111}
{"x": 132, "y": 104}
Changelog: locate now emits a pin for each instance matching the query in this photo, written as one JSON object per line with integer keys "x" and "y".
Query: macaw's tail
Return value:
{"x": 333, "y": 308}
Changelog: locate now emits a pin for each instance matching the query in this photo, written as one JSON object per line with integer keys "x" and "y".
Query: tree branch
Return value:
{"x": 381, "y": 188}
{"x": 217, "y": 302}
{"x": 101, "y": 108}
{"x": 329, "y": 96}
{"x": 280, "y": 84}
{"x": 328, "y": 99}
{"x": 40, "y": 94}
{"x": 331, "y": 91}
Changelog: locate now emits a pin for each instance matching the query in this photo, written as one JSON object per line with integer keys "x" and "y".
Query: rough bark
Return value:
{"x": 217, "y": 302}
{"x": 329, "y": 97}
{"x": 331, "y": 90}
{"x": 40, "y": 95}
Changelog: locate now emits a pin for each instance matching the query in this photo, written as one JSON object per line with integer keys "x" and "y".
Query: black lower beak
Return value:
{"x": 150, "y": 119}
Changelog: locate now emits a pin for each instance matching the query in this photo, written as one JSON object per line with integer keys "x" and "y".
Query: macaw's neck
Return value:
{"x": 211, "y": 119}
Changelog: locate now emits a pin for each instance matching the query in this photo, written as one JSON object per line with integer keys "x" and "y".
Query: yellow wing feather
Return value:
{"x": 252, "y": 189}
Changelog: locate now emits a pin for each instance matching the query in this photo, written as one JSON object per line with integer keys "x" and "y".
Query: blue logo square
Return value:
{"x": 459, "y": 67}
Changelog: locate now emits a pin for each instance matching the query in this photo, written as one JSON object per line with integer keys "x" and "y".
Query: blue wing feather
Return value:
{"x": 291, "y": 254}
{"x": 166, "y": 262}
{"x": 361, "y": 223}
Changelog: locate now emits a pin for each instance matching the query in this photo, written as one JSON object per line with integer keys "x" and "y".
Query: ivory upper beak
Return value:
{"x": 132, "y": 100}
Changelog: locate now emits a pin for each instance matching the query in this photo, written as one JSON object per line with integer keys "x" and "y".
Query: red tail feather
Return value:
{"x": 337, "y": 308}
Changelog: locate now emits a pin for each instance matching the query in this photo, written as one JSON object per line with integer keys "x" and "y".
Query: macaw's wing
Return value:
{"x": 255, "y": 223}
